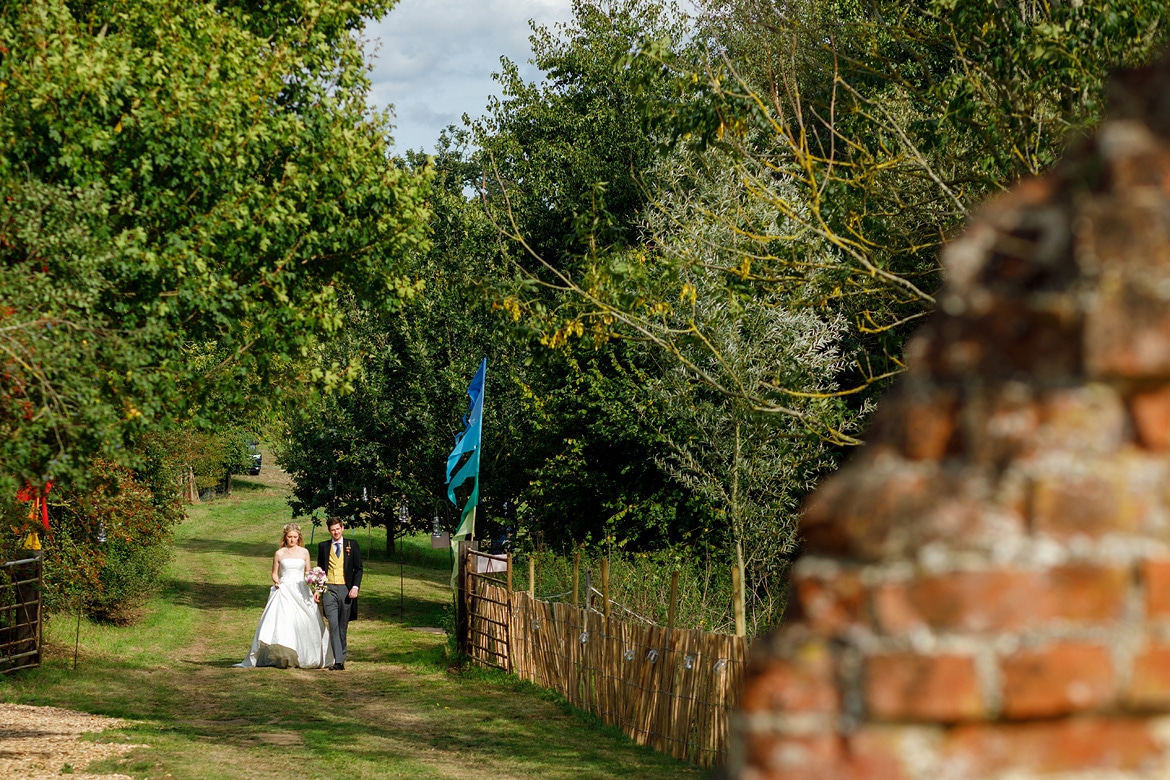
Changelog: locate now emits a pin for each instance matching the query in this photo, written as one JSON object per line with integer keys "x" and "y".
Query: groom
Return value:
{"x": 341, "y": 559}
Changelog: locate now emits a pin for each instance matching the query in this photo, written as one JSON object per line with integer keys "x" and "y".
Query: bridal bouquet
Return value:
{"x": 315, "y": 578}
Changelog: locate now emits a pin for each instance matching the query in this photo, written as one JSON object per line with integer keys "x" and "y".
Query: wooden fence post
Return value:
{"x": 576, "y": 572}
{"x": 605, "y": 588}
{"x": 532, "y": 576}
{"x": 508, "y": 618}
{"x": 737, "y": 597}
{"x": 463, "y": 597}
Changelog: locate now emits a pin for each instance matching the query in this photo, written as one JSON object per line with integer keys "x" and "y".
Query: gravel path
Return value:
{"x": 37, "y": 743}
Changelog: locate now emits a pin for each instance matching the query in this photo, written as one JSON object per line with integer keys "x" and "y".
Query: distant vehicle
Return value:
{"x": 254, "y": 454}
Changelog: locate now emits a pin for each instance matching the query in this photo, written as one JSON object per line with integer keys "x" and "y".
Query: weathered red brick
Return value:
{"x": 1151, "y": 418}
{"x": 1002, "y": 599}
{"x": 1084, "y": 419}
{"x": 1156, "y": 582}
{"x": 1149, "y": 683}
{"x": 853, "y": 513}
{"x": 829, "y": 605}
{"x": 804, "y": 683}
{"x": 872, "y": 754}
{"x": 1147, "y": 170}
{"x": 1064, "y": 745}
{"x": 932, "y": 688}
{"x": 1059, "y": 679}
{"x": 893, "y": 612}
{"x": 1127, "y": 332}
{"x": 868, "y": 754}
{"x": 892, "y": 507}
{"x": 1089, "y": 501}
{"x": 999, "y": 427}
{"x": 928, "y": 426}
{"x": 967, "y": 601}
{"x": 1011, "y": 336}
{"x": 1083, "y": 593}
{"x": 1004, "y": 337}
{"x": 810, "y": 757}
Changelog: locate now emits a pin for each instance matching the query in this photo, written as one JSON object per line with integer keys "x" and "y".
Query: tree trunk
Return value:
{"x": 737, "y": 520}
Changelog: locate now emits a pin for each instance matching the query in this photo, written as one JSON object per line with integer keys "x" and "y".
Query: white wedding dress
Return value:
{"x": 291, "y": 630}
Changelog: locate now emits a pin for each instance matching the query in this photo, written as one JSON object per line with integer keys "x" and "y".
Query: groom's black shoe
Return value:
{"x": 338, "y": 667}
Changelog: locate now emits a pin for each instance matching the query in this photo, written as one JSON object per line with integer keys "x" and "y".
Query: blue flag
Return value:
{"x": 468, "y": 441}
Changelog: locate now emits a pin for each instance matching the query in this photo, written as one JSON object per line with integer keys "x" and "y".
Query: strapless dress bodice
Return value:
{"x": 292, "y": 569}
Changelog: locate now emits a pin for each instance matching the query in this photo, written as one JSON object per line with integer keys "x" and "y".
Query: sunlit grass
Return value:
{"x": 396, "y": 712}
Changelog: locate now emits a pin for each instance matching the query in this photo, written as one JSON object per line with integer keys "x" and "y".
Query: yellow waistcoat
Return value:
{"x": 336, "y": 573}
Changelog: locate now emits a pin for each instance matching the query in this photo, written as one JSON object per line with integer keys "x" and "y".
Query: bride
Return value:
{"x": 291, "y": 630}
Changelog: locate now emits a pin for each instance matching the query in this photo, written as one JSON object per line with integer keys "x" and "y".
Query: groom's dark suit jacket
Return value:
{"x": 353, "y": 566}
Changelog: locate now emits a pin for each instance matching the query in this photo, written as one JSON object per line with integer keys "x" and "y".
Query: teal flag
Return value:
{"x": 468, "y": 441}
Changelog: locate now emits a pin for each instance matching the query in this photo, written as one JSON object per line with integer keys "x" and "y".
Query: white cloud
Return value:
{"x": 434, "y": 59}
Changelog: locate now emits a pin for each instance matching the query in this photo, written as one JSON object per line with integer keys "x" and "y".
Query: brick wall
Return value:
{"x": 985, "y": 588}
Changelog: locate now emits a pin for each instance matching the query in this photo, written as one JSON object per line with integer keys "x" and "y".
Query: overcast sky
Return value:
{"x": 434, "y": 59}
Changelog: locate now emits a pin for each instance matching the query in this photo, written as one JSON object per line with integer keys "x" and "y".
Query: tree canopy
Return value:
{"x": 175, "y": 175}
{"x": 691, "y": 252}
{"x": 836, "y": 145}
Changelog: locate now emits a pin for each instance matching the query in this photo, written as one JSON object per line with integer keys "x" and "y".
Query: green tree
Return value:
{"x": 863, "y": 134}
{"x": 388, "y": 433}
{"x": 561, "y": 168}
{"x": 560, "y": 162}
{"x": 175, "y": 174}
{"x": 802, "y": 163}
{"x": 568, "y": 454}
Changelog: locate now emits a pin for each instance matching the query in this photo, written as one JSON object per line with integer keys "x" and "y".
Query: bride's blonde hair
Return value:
{"x": 289, "y": 528}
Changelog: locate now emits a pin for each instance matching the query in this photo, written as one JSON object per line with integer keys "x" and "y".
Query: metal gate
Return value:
{"x": 487, "y": 589}
{"x": 20, "y": 614}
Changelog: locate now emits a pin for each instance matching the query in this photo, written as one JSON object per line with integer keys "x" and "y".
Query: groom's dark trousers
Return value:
{"x": 338, "y": 607}
{"x": 334, "y": 603}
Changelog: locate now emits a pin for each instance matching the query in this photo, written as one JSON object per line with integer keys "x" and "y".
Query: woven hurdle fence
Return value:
{"x": 670, "y": 689}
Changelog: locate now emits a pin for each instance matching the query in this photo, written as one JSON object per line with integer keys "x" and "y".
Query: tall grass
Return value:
{"x": 639, "y": 583}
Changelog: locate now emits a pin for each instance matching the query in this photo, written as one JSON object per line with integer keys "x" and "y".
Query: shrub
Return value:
{"x": 111, "y": 580}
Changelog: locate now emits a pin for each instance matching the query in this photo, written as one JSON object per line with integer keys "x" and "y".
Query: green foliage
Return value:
{"x": 767, "y": 249}
{"x": 562, "y": 159}
{"x": 641, "y": 459}
{"x": 110, "y": 580}
{"x": 870, "y": 131}
{"x": 594, "y": 471}
{"x": 567, "y": 454}
{"x": 212, "y": 456}
{"x": 175, "y": 174}
{"x": 823, "y": 149}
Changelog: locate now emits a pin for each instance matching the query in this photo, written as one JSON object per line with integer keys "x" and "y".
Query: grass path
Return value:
{"x": 396, "y": 712}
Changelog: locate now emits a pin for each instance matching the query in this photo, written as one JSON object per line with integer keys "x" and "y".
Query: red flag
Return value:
{"x": 45, "y": 504}
{"x": 39, "y": 500}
